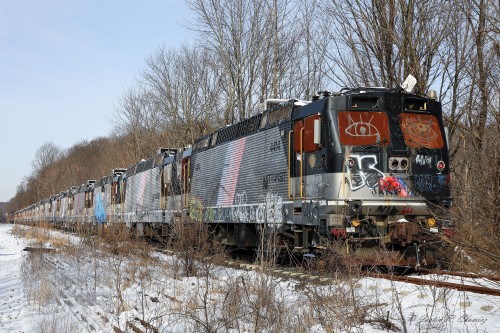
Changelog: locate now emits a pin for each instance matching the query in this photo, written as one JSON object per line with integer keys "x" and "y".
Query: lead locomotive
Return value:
{"x": 367, "y": 168}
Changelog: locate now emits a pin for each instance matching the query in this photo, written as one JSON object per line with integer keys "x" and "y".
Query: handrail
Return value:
{"x": 188, "y": 175}
{"x": 162, "y": 188}
{"x": 289, "y": 164}
{"x": 186, "y": 167}
{"x": 301, "y": 162}
{"x": 184, "y": 183}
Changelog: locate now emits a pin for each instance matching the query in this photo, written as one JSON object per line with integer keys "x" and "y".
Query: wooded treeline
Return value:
{"x": 245, "y": 51}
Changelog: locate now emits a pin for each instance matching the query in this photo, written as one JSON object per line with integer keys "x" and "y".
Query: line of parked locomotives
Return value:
{"x": 367, "y": 167}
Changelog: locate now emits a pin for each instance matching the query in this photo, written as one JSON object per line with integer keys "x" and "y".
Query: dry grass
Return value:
{"x": 41, "y": 235}
{"x": 238, "y": 302}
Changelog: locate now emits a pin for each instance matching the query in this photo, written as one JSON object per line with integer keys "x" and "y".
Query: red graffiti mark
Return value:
{"x": 337, "y": 232}
{"x": 407, "y": 210}
{"x": 389, "y": 185}
{"x": 394, "y": 186}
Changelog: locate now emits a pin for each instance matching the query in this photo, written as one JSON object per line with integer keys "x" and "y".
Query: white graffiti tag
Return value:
{"x": 424, "y": 160}
{"x": 271, "y": 210}
{"x": 363, "y": 172}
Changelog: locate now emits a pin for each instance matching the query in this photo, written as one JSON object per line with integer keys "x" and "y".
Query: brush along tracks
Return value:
{"x": 476, "y": 282}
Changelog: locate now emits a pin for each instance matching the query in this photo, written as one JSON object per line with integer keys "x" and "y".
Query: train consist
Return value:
{"x": 367, "y": 168}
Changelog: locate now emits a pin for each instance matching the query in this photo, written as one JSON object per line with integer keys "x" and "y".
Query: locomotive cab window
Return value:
{"x": 358, "y": 128}
{"x": 421, "y": 130}
{"x": 415, "y": 104}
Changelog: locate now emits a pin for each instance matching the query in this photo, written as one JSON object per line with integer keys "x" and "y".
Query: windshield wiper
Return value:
{"x": 376, "y": 145}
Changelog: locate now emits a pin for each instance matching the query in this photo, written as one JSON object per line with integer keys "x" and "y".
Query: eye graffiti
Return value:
{"x": 421, "y": 131}
{"x": 362, "y": 128}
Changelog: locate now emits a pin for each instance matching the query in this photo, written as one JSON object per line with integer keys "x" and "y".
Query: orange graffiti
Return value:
{"x": 421, "y": 130}
{"x": 359, "y": 128}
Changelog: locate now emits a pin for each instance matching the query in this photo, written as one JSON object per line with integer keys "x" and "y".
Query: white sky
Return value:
{"x": 64, "y": 64}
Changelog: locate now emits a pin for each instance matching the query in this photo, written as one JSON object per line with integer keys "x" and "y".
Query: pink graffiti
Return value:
{"x": 392, "y": 185}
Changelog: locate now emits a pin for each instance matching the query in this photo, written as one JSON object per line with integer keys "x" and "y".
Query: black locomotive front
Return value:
{"x": 374, "y": 173}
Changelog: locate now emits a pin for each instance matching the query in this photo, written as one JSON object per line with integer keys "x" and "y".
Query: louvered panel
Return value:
{"x": 142, "y": 200}
{"x": 244, "y": 180}
{"x": 63, "y": 209}
{"x": 107, "y": 200}
{"x": 79, "y": 205}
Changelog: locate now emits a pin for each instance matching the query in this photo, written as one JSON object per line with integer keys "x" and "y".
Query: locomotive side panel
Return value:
{"x": 243, "y": 181}
{"x": 142, "y": 199}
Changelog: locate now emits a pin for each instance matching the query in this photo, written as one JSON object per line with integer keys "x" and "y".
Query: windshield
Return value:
{"x": 363, "y": 128}
{"x": 421, "y": 130}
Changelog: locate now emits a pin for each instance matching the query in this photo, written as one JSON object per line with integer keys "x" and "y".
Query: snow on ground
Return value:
{"x": 14, "y": 315}
{"x": 84, "y": 289}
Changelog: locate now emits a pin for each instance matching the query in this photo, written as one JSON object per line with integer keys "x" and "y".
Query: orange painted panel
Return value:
{"x": 308, "y": 144}
{"x": 358, "y": 128}
{"x": 421, "y": 130}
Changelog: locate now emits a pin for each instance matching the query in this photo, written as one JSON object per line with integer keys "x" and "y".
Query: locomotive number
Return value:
{"x": 276, "y": 145}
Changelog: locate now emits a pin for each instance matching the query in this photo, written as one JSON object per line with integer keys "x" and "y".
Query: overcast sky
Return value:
{"x": 65, "y": 63}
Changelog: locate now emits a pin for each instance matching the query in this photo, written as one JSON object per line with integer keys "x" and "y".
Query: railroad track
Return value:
{"x": 318, "y": 277}
{"x": 442, "y": 284}
{"x": 461, "y": 274}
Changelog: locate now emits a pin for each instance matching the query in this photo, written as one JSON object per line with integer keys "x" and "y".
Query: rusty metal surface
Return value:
{"x": 442, "y": 284}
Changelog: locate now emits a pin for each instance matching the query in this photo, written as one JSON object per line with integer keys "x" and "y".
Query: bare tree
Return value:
{"x": 130, "y": 120}
{"x": 472, "y": 100}
{"x": 381, "y": 42}
{"x": 45, "y": 156}
{"x": 307, "y": 74}
{"x": 184, "y": 88}
{"x": 234, "y": 32}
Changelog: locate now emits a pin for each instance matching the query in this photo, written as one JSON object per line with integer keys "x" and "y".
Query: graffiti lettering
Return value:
{"x": 364, "y": 173}
{"x": 424, "y": 160}
{"x": 429, "y": 182}
{"x": 275, "y": 145}
{"x": 146, "y": 216}
{"x": 407, "y": 210}
{"x": 273, "y": 208}
{"x": 270, "y": 210}
{"x": 272, "y": 178}
{"x": 240, "y": 198}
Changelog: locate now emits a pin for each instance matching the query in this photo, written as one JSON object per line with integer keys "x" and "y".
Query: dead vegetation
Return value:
{"x": 133, "y": 287}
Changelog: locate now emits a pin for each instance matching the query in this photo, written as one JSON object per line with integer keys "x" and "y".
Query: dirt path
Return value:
{"x": 14, "y": 316}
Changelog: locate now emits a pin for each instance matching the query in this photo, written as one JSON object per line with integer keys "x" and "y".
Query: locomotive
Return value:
{"x": 367, "y": 168}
